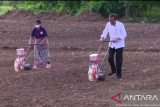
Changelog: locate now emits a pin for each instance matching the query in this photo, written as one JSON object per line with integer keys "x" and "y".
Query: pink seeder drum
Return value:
{"x": 94, "y": 57}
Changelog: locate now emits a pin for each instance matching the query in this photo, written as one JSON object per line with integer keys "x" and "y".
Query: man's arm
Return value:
{"x": 123, "y": 32}
{"x": 105, "y": 32}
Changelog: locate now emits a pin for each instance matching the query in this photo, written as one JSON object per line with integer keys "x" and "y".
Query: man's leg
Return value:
{"x": 119, "y": 55}
{"x": 122, "y": 63}
{"x": 111, "y": 61}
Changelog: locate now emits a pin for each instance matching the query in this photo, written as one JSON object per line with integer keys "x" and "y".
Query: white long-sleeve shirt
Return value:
{"x": 115, "y": 31}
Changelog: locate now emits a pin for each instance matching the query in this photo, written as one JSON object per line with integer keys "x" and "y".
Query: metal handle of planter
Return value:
{"x": 31, "y": 53}
{"x": 33, "y": 44}
{"x": 107, "y": 41}
{"x": 105, "y": 55}
{"x": 102, "y": 45}
{"x": 29, "y": 48}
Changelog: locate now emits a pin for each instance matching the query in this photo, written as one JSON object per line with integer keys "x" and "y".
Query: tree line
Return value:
{"x": 125, "y": 9}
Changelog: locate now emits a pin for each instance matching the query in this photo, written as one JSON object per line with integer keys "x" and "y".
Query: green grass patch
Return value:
{"x": 28, "y": 8}
{"x": 5, "y": 9}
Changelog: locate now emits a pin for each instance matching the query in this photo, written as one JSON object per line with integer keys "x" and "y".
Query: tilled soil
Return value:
{"x": 66, "y": 84}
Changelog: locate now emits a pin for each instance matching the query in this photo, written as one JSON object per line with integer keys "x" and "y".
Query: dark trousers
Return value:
{"x": 119, "y": 55}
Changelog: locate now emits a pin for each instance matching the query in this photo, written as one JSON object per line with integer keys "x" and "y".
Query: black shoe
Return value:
{"x": 119, "y": 77}
{"x": 112, "y": 73}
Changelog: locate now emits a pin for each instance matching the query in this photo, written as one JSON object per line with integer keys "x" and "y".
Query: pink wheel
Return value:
{"x": 20, "y": 67}
{"x": 94, "y": 73}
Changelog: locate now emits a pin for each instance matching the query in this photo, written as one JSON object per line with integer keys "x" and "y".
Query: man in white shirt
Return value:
{"x": 117, "y": 34}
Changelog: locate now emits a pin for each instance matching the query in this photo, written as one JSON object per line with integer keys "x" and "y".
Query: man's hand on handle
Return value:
{"x": 116, "y": 39}
{"x": 101, "y": 39}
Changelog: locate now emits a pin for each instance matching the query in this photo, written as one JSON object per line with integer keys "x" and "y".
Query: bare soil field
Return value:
{"x": 66, "y": 84}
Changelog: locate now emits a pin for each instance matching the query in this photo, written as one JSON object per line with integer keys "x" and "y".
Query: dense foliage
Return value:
{"x": 128, "y": 9}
